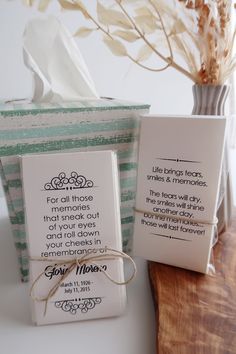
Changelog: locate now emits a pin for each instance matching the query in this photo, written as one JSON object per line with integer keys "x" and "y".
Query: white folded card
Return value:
{"x": 73, "y": 221}
{"x": 178, "y": 181}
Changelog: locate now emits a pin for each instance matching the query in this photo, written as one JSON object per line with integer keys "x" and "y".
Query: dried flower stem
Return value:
{"x": 163, "y": 28}
{"x": 173, "y": 63}
{"x": 99, "y": 27}
{"x": 169, "y": 60}
{"x": 142, "y": 36}
{"x": 200, "y": 31}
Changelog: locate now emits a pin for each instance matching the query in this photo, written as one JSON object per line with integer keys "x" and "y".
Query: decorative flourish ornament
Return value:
{"x": 74, "y": 181}
{"x": 84, "y": 305}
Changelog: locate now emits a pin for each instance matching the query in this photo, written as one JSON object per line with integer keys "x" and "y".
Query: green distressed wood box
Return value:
{"x": 103, "y": 124}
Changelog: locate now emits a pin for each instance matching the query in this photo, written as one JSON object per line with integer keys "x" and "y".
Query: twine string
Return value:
{"x": 72, "y": 264}
{"x": 213, "y": 223}
{"x": 178, "y": 218}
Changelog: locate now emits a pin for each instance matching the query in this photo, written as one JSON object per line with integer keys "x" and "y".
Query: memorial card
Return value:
{"x": 178, "y": 182}
{"x": 74, "y": 236}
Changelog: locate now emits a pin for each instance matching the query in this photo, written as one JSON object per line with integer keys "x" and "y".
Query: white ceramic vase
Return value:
{"x": 210, "y": 100}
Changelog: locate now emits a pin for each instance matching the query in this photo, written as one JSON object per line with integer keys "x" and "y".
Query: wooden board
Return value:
{"x": 195, "y": 313}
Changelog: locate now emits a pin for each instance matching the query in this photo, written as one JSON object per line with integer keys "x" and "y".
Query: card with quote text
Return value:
{"x": 179, "y": 171}
{"x": 72, "y": 212}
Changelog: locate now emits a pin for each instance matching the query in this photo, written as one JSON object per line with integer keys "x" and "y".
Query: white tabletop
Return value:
{"x": 132, "y": 333}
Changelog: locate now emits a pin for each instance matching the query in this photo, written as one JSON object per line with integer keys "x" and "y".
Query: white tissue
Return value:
{"x": 59, "y": 70}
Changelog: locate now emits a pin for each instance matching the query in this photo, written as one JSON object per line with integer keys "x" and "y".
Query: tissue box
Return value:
{"x": 104, "y": 124}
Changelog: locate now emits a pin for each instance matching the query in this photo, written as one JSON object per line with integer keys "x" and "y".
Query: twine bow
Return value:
{"x": 111, "y": 254}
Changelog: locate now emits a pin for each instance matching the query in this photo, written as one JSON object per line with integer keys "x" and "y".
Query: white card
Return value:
{"x": 72, "y": 210}
{"x": 178, "y": 175}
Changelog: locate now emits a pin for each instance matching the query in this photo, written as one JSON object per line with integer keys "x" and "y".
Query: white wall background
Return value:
{"x": 167, "y": 92}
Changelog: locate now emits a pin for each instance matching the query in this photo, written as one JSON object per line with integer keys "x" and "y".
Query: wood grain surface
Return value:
{"x": 195, "y": 313}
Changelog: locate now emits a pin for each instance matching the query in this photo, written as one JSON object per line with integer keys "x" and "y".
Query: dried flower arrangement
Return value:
{"x": 193, "y": 36}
